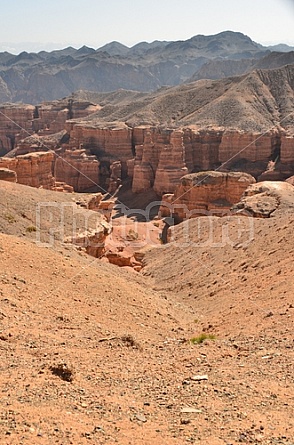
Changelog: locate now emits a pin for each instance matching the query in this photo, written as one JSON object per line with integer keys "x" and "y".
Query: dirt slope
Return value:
{"x": 119, "y": 341}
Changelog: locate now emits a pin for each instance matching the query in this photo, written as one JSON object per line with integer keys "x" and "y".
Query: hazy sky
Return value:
{"x": 35, "y": 25}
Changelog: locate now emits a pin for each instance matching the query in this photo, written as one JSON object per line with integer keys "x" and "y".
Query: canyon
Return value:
{"x": 146, "y": 245}
{"x": 99, "y": 141}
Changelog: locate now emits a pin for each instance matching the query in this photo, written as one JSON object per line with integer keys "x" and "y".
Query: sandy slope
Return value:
{"x": 126, "y": 337}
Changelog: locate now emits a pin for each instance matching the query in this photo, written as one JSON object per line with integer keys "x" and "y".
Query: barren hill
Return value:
{"x": 260, "y": 100}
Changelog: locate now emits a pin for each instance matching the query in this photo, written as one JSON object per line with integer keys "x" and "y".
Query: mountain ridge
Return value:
{"x": 36, "y": 77}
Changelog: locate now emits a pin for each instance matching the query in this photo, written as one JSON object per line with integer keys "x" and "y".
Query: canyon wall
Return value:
{"x": 77, "y": 168}
{"x": 167, "y": 155}
{"x": 15, "y": 124}
{"x": 90, "y": 153}
{"x": 205, "y": 193}
{"x": 33, "y": 169}
{"x": 18, "y": 121}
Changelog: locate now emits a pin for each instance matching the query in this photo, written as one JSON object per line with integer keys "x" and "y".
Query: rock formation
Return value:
{"x": 205, "y": 193}
{"x": 18, "y": 121}
{"x": 7, "y": 175}
{"x": 77, "y": 168}
{"x": 33, "y": 169}
{"x": 265, "y": 199}
{"x": 15, "y": 124}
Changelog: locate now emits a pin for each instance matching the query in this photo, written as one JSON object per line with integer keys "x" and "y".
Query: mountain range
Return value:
{"x": 37, "y": 77}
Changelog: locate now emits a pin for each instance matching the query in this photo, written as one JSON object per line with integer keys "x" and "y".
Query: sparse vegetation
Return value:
{"x": 31, "y": 229}
{"x": 63, "y": 371}
{"x": 132, "y": 235}
{"x": 201, "y": 338}
{"x": 130, "y": 341}
{"x": 10, "y": 218}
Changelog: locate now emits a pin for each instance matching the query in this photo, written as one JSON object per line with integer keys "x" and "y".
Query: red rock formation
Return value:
{"x": 208, "y": 192}
{"x": 50, "y": 117}
{"x": 7, "y": 175}
{"x": 106, "y": 142}
{"x": 77, "y": 168}
{"x": 33, "y": 169}
{"x": 236, "y": 146}
{"x": 287, "y": 150}
{"x": 115, "y": 176}
{"x": 172, "y": 164}
{"x": 93, "y": 241}
{"x": 15, "y": 124}
{"x": 202, "y": 148}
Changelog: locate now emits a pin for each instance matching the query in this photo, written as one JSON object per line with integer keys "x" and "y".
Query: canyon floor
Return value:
{"x": 96, "y": 354}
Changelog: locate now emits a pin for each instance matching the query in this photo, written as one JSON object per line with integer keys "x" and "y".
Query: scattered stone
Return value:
{"x": 199, "y": 378}
{"x": 189, "y": 409}
{"x": 141, "y": 418}
{"x": 62, "y": 371}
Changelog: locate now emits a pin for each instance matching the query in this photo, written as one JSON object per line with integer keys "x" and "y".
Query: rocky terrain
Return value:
{"x": 151, "y": 301}
{"x": 196, "y": 349}
{"x": 33, "y": 78}
{"x": 100, "y": 140}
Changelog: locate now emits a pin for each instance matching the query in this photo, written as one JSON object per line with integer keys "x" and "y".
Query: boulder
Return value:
{"x": 266, "y": 199}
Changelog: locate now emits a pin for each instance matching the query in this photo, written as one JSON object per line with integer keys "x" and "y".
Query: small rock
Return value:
{"x": 141, "y": 418}
{"x": 185, "y": 421}
{"x": 199, "y": 378}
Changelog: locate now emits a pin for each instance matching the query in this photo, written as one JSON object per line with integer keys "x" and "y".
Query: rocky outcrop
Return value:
{"x": 33, "y": 169}
{"x": 77, "y": 168}
{"x": 92, "y": 153}
{"x": 160, "y": 161}
{"x": 205, "y": 193}
{"x": 265, "y": 199}
{"x": 115, "y": 176}
{"x": 108, "y": 141}
{"x": 254, "y": 148}
{"x": 50, "y": 117}
{"x": 7, "y": 175}
{"x": 15, "y": 124}
{"x": 287, "y": 149}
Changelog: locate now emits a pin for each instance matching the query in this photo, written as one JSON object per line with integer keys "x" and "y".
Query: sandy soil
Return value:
{"x": 95, "y": 354}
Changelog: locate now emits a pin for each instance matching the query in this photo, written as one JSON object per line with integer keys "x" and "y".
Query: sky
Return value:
{"x": 31, "y": 25}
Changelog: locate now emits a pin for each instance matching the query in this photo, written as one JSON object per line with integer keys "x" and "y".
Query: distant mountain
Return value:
{"x": 220, "y": 68}
{"x": 281, "y": 47}
{"x": 36, "y": 77}
{"x": 114, "y": 49}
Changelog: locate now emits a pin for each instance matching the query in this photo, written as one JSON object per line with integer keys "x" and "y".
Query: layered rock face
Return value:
{"x": 161, "y": 161}
{"x": 15, "y": 124}
{"x": 203, "y": 193}
{"x": 33, "y": 169}
{"x": 19, "y": 121}
{"x": 78, "y": 168}
{"x": 7, "y": 175}
{"x": 50, "y": 117}
{"x": 109, "y": 142}
{"x": 104, "y": 154}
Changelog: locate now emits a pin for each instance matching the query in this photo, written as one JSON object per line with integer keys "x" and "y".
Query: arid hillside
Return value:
{"x": 257, "y": 101}
{"x": 95, "y": 354}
